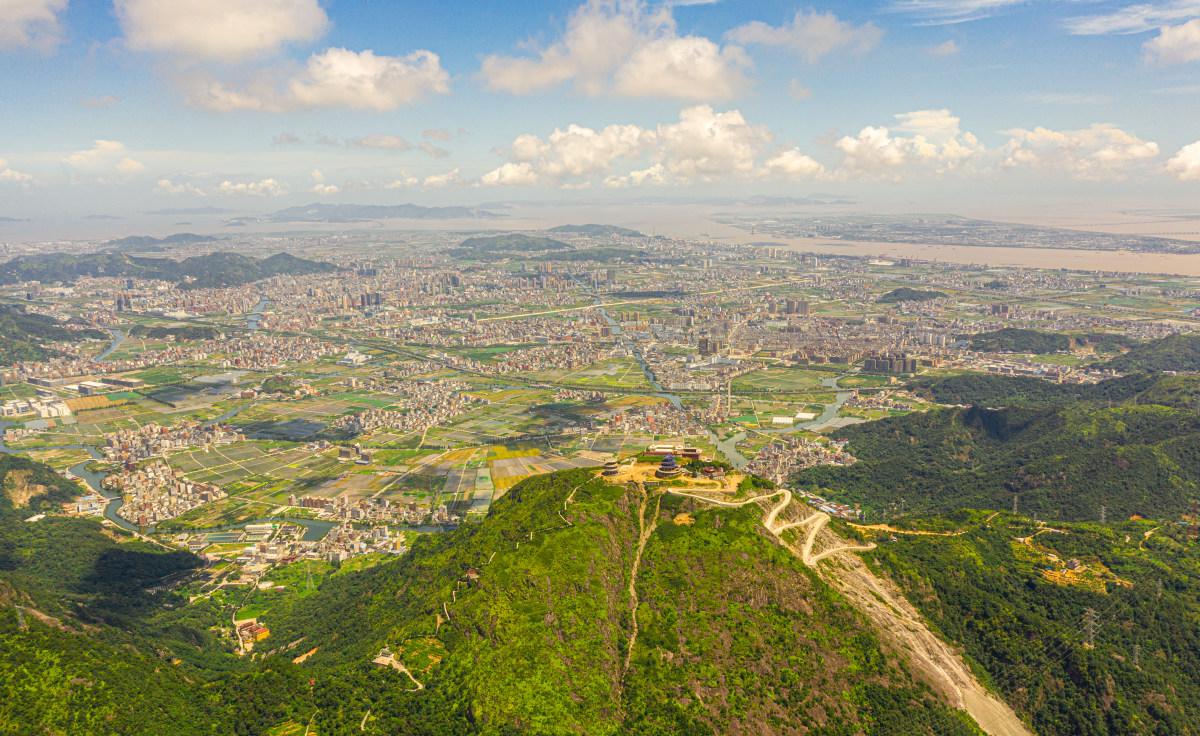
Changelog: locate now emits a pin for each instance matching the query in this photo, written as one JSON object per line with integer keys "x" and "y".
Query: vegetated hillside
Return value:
{"x": 215, "y": 270}
{"x": 97, "y": 652}
{"x": 22, "y": 335}
{"x": 147, "y": 243}
{"x": 1019, "y": 340}
{"x": 1174, "y": 353}
{"x": 1063, "y": 461}
{"x": 599, "y": 255}
{"x": 981, "y": 389}
{"x": 317, "y": 212}
{"x": 32, "y": 486}
{"x": 905, "y": 294}
{"x": 1018, "y": 613}
{"x": 178, "y": 332}
{"x": 491, "y": 247}
{"x": 531, "y": 633}
{"x": 597, "y": 230}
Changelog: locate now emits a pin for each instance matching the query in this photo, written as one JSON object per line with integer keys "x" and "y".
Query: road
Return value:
{"x": 815, "y": 523}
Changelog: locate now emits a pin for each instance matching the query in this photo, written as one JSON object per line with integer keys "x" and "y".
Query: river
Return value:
{"x": 118, "y": 337}
{"x": 256, "y": 313}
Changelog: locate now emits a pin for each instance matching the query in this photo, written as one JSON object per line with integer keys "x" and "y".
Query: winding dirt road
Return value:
{"x": 815, "y": 523}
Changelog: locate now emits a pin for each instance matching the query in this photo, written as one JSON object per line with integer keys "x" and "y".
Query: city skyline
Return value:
{"x": 143, "y": 105}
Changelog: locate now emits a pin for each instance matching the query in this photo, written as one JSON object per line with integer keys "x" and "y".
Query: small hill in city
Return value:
{"x": 905, "y": 294}
{"x": 596, "y": 231}
{"x": 491, "y": 247}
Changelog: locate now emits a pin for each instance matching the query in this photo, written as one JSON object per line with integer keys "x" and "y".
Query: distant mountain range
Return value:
{"x": 343, "y": 213}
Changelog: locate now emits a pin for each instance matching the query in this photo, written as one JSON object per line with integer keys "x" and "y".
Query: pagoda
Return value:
{"x": 668, "y": 469}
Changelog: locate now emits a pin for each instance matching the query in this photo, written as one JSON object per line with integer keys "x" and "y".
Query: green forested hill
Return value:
{"x": 1174, "y": 353}
{"x": 905, "y": 294}
{"x": 1017, "y": 340}
{"x": 734, "y": 633}
{"x": 492, "y": 247}
{"x": 1063, "y": 461}
{"x": 22, "y": 335}
{"x": 521, "y": 624}
{"x": 982, "y": 389}
{"x": 1019, "y": 614}
{"x": 215, "y": 270}
{"x": 596, "y": 230}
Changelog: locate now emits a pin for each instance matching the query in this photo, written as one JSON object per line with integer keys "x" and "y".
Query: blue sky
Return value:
{"x": 120, "y": 106}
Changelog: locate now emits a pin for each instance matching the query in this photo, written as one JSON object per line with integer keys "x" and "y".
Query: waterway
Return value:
{"x": 256, "y": 313}
{"x": 118, "y": 337}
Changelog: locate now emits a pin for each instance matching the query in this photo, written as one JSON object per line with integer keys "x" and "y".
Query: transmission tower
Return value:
{"x": 1014, "y": 505}
{"x": 1089, "y": 624}
{"x": 21, "y": 619}
{"x": 1137, "y": 653}
{"x": 1103, "y": 514}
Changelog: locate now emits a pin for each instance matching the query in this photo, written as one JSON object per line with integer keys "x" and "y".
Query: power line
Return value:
{"x": 1089, "y": 623}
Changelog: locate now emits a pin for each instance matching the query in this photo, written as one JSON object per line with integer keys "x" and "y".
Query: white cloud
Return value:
{"x": 433, "y": 151}
{"x": 437, "y": 135}
{"x": 404, "y": 181}
{"x": 1175, "y": 44}
{"x": 225, "y": 30}
{"x": 129, "y": 167}
{"x": 104, "y": 101}
{"x": 32, "y": 23}
{"x": 382, "y": 141}
{"x": 1094, "y": 153}
{"x": 946, "y": 12}
{"x": 798, "y": 91}
{"x": 8, "y": 176}
{"x": 810, "y": 35}
{"x": 334, "y": 78}
{"x": 285, "y": 139}
{"x": 263, "y": 188}
{"x": 937, "y": 146}
{"x": 624, "y": 48}
{"x": 102, "y": 160}
{"x": 324, "y": 190}
{"x": 1134, "y": 18}
{"x": 1185, "y": 165}
{"x": 947, "y": 48}
{"x": 437, "y": 181}
{"x": 795, "y": 165}
{"x": 708, "y": 145}
{"x": 166, "y": 186}
{"x": 704, "y": 145}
